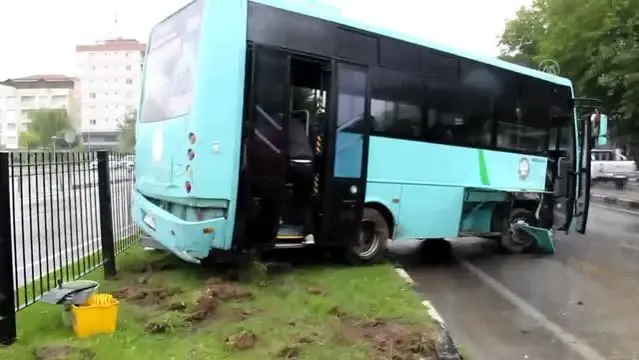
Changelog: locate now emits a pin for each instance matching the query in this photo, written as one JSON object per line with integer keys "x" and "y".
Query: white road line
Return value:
{"x": 616, "y": 209}
{"x": 404, "y": 275}
{"x": 434, "y": 314}
{"x": 571, "y": 341}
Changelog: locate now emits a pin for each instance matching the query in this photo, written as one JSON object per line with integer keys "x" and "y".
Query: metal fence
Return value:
{"x": 62, "y": 215}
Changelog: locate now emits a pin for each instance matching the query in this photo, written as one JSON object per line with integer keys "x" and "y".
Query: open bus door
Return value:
{"x": 262, "y": 182}
{"x": 347, "y": 153}
{"x": 592, "y": 130}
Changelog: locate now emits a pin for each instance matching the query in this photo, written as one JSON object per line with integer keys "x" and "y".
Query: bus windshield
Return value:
{"x": 170, "y": 65}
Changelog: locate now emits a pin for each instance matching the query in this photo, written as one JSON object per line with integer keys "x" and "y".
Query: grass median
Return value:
{"x": 173, "y": 310}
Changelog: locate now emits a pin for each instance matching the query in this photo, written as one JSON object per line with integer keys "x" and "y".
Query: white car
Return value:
{"x": 128, "y": 162}
{"x": 113, "y": 163}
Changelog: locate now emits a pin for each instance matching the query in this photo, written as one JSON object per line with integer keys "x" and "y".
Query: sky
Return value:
{"x": 39, "y": 36}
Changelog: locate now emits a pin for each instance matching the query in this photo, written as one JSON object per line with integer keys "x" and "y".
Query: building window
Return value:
{"x": 129, "y": 81}
{"x": 11, "y": 126}
{"x": 92, "y": 121}
{"x": 128, "y": 67}
{"x": 92, "y": 95}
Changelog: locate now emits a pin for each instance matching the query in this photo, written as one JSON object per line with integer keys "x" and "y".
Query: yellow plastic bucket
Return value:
{"x": 98, "y": 316}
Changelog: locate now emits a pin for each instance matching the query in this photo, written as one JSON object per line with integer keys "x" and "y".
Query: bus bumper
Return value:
{"x": 189, "y": 240}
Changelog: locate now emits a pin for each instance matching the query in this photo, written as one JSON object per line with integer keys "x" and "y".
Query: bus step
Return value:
{"x": 290, "y": 232}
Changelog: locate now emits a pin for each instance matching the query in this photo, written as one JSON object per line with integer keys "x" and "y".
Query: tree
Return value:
{"x": 127, "y": 132}
{"x": 596, "y": 44}
{"x": 28, "y": 140}
{"x": 48, "y": 127}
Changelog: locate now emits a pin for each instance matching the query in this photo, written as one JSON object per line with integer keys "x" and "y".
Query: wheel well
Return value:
{"x": 503, "y": 210}
{"x": 387, "y": 214}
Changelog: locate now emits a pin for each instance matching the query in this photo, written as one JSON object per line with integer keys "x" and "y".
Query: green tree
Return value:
{"x": 127, "y": 133}
{"x": 49, "y": 127}
{"x": 28, "y": 140}
{"x": 596, "y": 44}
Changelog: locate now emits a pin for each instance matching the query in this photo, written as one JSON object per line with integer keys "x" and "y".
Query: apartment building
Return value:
{"x": 20, "y": 96}
{"x": 110, "y": 76}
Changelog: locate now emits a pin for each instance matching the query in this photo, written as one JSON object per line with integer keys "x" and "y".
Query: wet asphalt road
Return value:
{"x": 581, "y": 303}
{"x": 53, "y": 226}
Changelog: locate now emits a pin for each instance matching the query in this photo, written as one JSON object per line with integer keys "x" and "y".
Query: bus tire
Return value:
{"x": 518, "y": 242}
{"x": 373, "y": 239}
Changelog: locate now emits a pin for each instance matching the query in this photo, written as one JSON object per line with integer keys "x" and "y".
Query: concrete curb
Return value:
{"x": 90, "y": 185}
{"x": 625, "y": 204}
{"x": 445, "y": 346}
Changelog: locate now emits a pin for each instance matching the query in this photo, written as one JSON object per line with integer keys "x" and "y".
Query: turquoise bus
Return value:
{"x": 276, "y": 123}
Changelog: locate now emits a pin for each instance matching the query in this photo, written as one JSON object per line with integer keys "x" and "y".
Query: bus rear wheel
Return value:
{"x": 372, "y": 240}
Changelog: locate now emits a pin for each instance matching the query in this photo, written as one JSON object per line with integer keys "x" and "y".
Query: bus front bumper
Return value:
{"x": 189, "y": 240}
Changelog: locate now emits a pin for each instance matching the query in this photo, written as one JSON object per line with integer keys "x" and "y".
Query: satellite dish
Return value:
{"x": 69, "y": 136}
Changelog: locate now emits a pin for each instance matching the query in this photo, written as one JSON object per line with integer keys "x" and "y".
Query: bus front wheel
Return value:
{"x": 372, "y": 240}
{"x": 518, "y": 241}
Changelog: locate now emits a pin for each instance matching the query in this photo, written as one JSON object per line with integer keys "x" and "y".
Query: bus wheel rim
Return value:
{"x": 520, "y": 237}
{"x": 368, "y": 239}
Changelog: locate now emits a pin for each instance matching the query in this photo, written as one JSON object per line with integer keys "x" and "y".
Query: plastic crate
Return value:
{"x": 98, "y": 316}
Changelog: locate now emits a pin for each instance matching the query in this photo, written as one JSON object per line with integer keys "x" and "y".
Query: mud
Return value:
{"x": 317, "y": 290}
{"x": 151, "y": 266}
{"x": 387, "y": 339}
{"x": 146, "y": 296}
{"x": 242, "y": 340}
{"x": 62, "y": 352}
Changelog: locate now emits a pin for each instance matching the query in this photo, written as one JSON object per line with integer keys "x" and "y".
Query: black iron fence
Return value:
{"x": 61, "y": 216}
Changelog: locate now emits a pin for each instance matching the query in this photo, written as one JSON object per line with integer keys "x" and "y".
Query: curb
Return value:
{"x": 616, "y": 202}
{"x": 445, "y": 347}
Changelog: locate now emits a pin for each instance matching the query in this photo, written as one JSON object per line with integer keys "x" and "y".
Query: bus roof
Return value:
{"x": 315, "y": 9}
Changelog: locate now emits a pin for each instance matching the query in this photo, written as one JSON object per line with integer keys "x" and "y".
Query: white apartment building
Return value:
{"x": 19, "y": 96}
{"x": 110, "y": 76}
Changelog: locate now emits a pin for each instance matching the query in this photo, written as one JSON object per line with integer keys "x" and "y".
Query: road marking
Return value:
{"x": 404, "y": 275}
{"x": 432, "y": 312}
{"x": 571, "y": 341}
{"x": 616, "y": 209}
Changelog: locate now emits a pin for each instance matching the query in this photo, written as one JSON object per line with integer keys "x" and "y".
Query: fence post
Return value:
{"x": 8, "y": 331}
{"x": 106, "y": 217}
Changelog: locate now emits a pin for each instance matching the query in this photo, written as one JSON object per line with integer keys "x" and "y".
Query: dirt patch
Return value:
{"x": 237, "y": 315}
{"x": 242, "y": 340}
{"x": 151, "y": 266}
{"x": 294, "y": 350}
{"x": 317, "y": 290}
{"x": 387, "y": 339}
{"x": 217, "y": 291}
{"x": 225, "y": 291}
{"x": 290, "y": 352}
{"x": 146, "y": 296}
{"x": 62, "y": 352}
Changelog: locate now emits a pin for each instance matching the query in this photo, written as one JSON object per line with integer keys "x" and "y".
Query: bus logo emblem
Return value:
{"x": 524, "y": 169}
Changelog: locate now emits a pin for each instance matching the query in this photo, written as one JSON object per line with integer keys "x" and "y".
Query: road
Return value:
{"x": 581, "y": 303}
{"x": 54, "y": 225}
{"x": 630, "y": 192}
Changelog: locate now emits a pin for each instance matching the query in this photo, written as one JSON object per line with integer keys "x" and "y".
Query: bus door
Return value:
{"x": 347, "y": 152}
{"x": 583, "y": 175}
{"x": 262, "y": 183}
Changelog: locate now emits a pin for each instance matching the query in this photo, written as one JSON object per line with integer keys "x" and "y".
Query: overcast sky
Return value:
{"x": 39, "y": 36}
